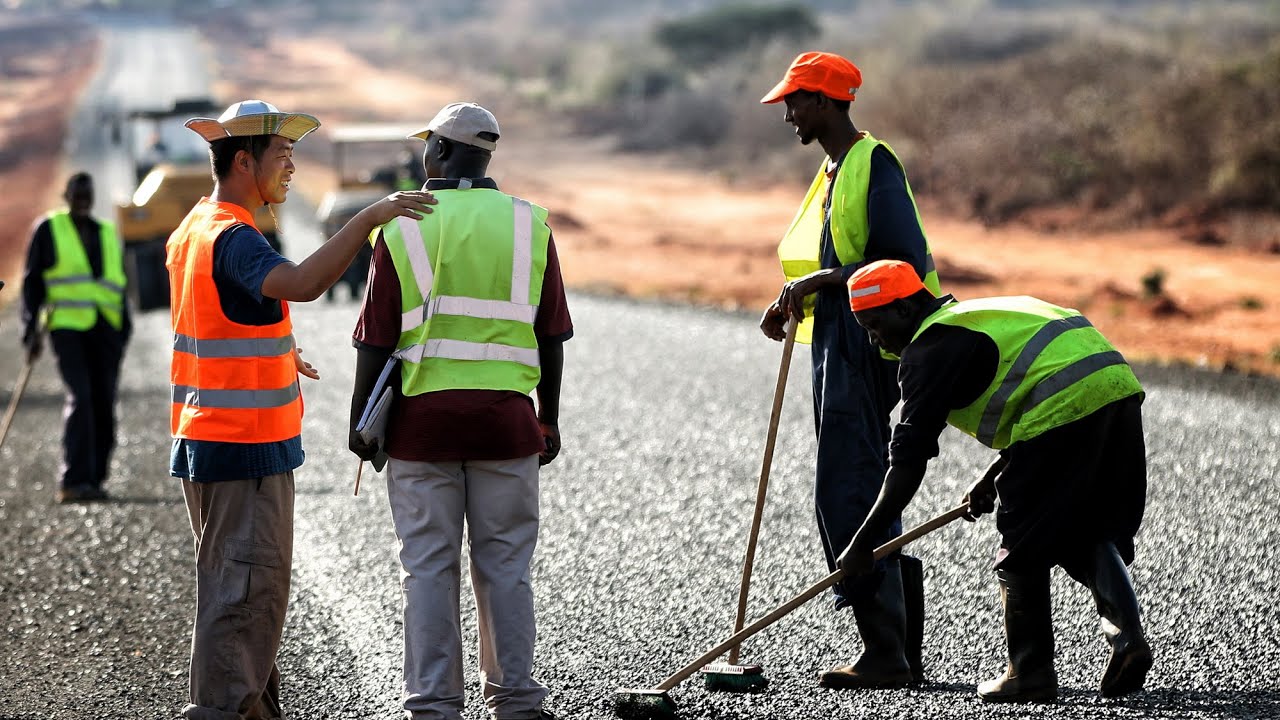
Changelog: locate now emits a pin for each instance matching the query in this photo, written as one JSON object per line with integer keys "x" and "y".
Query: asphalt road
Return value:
{"x": 645, "y": 516}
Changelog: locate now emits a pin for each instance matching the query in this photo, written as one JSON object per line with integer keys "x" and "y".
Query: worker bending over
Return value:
{"x": 1038, "y": 383}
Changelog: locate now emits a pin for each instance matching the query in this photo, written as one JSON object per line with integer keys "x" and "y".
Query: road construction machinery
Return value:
{"x": 172, "y": 171}
{"x": 370, "y": 161}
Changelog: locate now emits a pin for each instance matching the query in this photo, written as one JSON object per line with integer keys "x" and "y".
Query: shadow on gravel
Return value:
{"x": 1226, "y": 704}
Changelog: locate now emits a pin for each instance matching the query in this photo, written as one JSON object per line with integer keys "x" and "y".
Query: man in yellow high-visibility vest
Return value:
{"x": 74, "y": 283}
{"x": 1040, "y": 384}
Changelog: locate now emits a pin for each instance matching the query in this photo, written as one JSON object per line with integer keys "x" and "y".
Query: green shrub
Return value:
{"x": 1153, "y": 283}
{"x": 708, "y": 37}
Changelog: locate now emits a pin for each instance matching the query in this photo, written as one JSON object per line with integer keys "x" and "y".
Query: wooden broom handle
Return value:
{"x": 762, "y": 489}
{"x": 782, "y": 611}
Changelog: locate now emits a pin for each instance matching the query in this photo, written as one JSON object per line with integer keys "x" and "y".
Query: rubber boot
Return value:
{"x": 1028, "y": 627}
{"x": 882, "y": 625}
{"x": 913, "y": 595}
{"x": 1118, "y": 606}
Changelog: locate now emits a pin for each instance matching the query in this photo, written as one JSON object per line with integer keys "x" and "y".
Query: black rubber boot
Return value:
{"x": 1113, "y": 593}
{"x": 1028, "y": 627}
{"x": 882, "y": 624}
{"x": 913, "y": 596}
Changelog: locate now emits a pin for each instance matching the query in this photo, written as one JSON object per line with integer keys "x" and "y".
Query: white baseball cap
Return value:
{"x": 462, "y": 122}
{"x": 254, "y": 117}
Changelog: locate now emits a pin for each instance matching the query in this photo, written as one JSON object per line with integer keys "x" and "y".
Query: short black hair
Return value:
{"x": 223, "y": 151}
{"x": 79, "y": 177}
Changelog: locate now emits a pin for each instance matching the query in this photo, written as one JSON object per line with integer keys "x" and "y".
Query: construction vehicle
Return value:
{"x": 370, "y": 161}
{"x": 171, "y": 168}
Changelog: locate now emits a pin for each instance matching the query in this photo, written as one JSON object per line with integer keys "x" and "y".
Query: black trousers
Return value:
{"x": 89, "y": 362}
{"x": 1072, "y": 488}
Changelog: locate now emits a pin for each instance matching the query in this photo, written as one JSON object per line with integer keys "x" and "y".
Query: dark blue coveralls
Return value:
{"x": 854, "y": 388}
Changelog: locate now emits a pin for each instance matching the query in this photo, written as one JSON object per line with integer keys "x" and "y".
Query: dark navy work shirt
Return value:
{"x": 241, "y": 260}
{"x": 893, "y": 233}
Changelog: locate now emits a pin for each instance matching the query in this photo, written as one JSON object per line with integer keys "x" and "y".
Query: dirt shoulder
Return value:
{"x": 642, "y": 226}
{"x": 44, "y": 64}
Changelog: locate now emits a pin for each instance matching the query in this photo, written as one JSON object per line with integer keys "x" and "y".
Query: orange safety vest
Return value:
{"x": 231, "y": 382}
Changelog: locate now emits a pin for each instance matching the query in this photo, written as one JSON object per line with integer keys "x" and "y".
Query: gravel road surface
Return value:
{"x": 645, "y": 517}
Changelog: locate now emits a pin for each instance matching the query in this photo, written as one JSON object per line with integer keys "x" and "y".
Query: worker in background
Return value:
{"x": 237, "y": 407}
{"x": 858, "y": 209}
{"x": 476, "y": 314}
{"x": 74, "y": 285}
{"x": 1038, "y": 383}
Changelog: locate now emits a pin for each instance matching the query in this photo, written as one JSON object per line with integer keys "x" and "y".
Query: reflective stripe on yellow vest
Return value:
{"x": 801, "y": 247}
{"x": 470, "y": 282}
{"x": 75, "y": 297}
{"x": 1055, "y": 368}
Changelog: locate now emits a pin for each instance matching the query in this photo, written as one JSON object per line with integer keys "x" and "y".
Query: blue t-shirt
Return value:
{"x": 241, "y": 260}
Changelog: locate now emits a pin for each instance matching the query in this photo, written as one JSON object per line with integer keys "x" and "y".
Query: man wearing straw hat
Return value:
{"x": 474, "y": 311}
{"x": 236, "y": 414}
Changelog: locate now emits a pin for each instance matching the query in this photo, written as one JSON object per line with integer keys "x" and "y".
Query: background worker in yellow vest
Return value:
{"x": 858, "y": 209}
{"x": 471, "y": 302}
{"x": 237, "y": 406}
{"x": 1038, "y": 383}
{"x": 75, "y": 279}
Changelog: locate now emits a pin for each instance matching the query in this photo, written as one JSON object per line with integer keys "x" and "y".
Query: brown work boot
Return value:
{"x": 1028, "y": 626}
{"x": 76, "y": 494}
{"x": 882, "y": 625}
{"x": 849, "y": 677}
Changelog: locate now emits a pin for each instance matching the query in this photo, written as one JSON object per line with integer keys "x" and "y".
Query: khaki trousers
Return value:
{"x": 244, "y": 551}
{"x": 499, "y": 502}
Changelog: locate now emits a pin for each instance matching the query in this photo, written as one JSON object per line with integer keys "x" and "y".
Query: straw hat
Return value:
{"x": 254, "y": 117}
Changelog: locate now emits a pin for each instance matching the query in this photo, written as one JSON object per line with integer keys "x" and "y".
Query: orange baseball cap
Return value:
{"x": 882, "y": 282}
{"x": 829, "y": 74}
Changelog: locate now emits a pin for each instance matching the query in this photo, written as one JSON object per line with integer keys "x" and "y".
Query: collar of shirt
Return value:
{"x": 483, "y": 183}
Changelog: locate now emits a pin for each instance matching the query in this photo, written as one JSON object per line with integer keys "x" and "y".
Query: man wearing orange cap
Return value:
{"x": 1038, "y": 383}
{"x": 858, "y": 209}
{"x": 236, "y": 414}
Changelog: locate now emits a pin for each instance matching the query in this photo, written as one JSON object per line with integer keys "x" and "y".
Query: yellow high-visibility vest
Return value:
{"x": 470, "y": 282}
{"x": 1055, "y": 368}
{"x": 74, "y": 296}
{"x": 801, "y": 248}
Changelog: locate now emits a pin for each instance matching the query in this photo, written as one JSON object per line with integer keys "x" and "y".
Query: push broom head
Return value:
{"x": 643, "y": 704}
{"x": 724, "y": 677}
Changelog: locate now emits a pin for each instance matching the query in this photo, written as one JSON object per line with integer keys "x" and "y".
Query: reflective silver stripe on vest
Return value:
{"x": 990, "y": 423}
{"x": 73, "y": 304}
{"x": 521, "y": 277}
{"x": 111, "y": 286}
{"x": 70, "y": 280}
{"x": 233, "y": 347}
{"x": 416, "y": 248}
{"x": 235, "y": 399}
{"x": 462, "y": 350}
{"x": 522, "y": 253}
{"x": 468, "y": 307}
{"x": 1068, "y": 376}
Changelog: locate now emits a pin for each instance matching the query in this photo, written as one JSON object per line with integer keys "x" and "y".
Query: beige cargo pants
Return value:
{"x": 244, "y": 550}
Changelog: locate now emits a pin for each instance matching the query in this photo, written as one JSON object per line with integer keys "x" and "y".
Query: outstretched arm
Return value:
{"x": 309, "y": 279}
